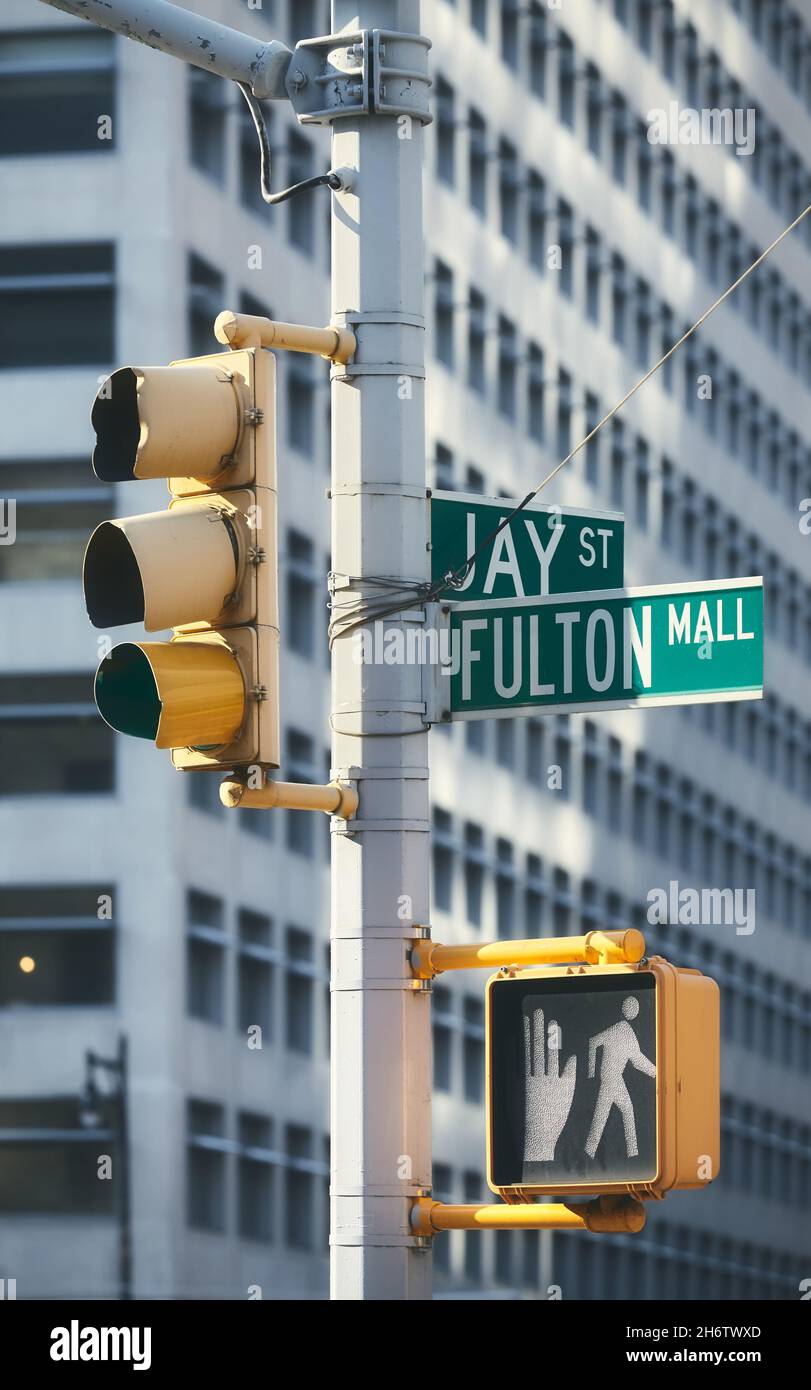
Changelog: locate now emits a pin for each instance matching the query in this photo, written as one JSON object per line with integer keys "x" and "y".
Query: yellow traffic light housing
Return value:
{"x": 602, "y": 1079}
{"x": 206, "y": 567}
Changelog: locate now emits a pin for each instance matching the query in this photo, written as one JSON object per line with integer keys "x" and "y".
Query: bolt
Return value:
{"x": 299, "y": 79}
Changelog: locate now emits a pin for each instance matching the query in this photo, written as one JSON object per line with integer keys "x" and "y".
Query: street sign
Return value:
{"x": 602, "y": 1078}
{"x": 668, "y": 645}
{"x": 546, "y": 549}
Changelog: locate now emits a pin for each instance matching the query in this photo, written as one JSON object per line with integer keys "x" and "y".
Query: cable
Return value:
{"x": 331, "y": 180}
{"x": 455, "y": 578}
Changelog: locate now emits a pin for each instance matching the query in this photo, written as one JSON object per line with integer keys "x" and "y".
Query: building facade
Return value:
{"x": 564, "y": 254}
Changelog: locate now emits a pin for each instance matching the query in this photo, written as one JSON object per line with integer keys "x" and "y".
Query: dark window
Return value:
{"x": 206, "y": 1174}
{"x": 443, "y": 313}
{"x": 256, "y": 1177}
{"x": 507, "y": 367}
{"x": 477, "y": 342}
{"x": 57, "y": 503}
{"x": 52, "y": 738}
{"x": 205, "y": 942}
{"x": 55, "y": 90}
{"x": 301, "y": 210}
{"x": 445, "y": 132}
{"x": 477, "y": 162}
{"x": 208, "y": 105}
{"x": 255, "y": 973}
{"x": 49, "y": 1162}
{"x": 299, "y": 991}
{"x": 206, "y": 294}
{"x": 57, "y": 946}
{"x": 58, "y": 303}
{"x": 301, "y": 585}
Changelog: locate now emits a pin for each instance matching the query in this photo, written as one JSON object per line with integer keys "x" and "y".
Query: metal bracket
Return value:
{"x": 360, "y": 73}
{"x": 436, "y": 681}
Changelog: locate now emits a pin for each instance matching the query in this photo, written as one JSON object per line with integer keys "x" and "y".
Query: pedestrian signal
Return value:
{"x": 602, "y": 1079}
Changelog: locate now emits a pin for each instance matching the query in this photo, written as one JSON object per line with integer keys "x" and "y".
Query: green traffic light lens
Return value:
{"x": 126, "y": 693}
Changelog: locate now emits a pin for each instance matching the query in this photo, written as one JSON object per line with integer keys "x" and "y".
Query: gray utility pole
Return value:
{"x": 381, "y": 1039}
{"x": 368, "y": 80}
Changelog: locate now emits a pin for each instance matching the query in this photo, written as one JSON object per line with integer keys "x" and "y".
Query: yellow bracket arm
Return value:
{"x": 430, "y": 958}
{"x": 252, "y": 331}
{"x": 335, "y": 798}
{"x": 625, "y": 1214}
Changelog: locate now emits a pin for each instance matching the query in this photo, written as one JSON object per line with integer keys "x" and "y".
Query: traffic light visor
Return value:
{"x": 186, "y": 694}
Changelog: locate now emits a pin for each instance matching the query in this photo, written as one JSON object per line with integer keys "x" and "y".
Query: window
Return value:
{"x": 255, "y": 972}
{"x": 477, "y": 162}
{"x": 474, "y": 873}
{"x": 442, "y": 1028}
{"x": 508, "y": 189}
{"x": 299, "y": 825}
{"x": 566, "y": 240}
{"x": 478, "y": 16}
{"x": 301, "y": 583}
{"x": 300, "y": 211}
{"x": 564, "y": 422}
{"x": 49, "y": 1162}
{"x": 52, "y": 738}
{"x": 443, "y": 850}
{"x": 443, "y": 313}
{"x": 534, "y": 897}
{"x": 593, "y": 275}
{"x": 57, "y": 946}
{"x": 473, "y": 1048}
{"x": 299, "y": 990}
{"x": 507, "y": 367}
{"x": 206, "y": 943}
{"x": 536, "y": 221}
{"x": 535, "y": 393}
{"x": 505, "y": 889}
{"x": 206, "y": 1172}
{"x": 203, "y": 792}
{"x": 509, "y": 32}
{"x": 301, "y": 391}
{"x": 61, "y": 301}
{"x": 55, "y": 89}
{"x": 256, "y": 1177}
{"x": 206, "y": 293}
{"x": 538, "y": 44}
{"x": 300, "y": 1188}
{"x": 208, "y": 106}
{"x": 566, "y": 81}
{"x": 56, "y": 506}
{"x": 445, "y": 132}
{"x": 476, "y": 342}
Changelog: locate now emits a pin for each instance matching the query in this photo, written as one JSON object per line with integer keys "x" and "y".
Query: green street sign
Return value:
{"x": 668, "y": 645}
{"x": 546, "y": 549}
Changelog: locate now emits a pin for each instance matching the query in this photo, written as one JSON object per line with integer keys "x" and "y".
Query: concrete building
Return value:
{"x": 564, "y": 253}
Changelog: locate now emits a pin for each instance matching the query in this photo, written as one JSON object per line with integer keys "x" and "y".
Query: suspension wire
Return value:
{"x": 362, "y": 611}
{"x": 331, "y": 179}
{"x": 457, "y": 577}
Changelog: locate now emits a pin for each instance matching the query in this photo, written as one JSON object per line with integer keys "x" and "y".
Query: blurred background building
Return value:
{"x": 132, "y": 904}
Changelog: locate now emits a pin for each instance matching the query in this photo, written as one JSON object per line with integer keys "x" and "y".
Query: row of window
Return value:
{"x": 496, "y": 364}
{"x": 527, "y": 33}
{"x": 764, "y": 1154}
{"x": 492, "y": 891}
{"x": 282, "y": 990}
{"x": 251, "y": 1184}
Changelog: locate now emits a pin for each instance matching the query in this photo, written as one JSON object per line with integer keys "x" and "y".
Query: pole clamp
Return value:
{"x": 363, "y": 72}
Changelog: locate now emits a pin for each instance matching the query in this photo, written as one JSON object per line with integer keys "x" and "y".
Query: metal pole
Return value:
{"x": 192, "y": 38}
{"x": 380, "y": 1084}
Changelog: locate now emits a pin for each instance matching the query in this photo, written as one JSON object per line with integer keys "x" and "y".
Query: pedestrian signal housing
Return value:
{"x": 602, "y": 1079}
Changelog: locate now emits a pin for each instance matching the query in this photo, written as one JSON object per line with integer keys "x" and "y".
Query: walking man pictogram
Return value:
{"x": 620, "y": 1046}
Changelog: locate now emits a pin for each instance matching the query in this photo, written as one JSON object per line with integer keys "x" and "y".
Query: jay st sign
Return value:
{"x": 619, "y": 649}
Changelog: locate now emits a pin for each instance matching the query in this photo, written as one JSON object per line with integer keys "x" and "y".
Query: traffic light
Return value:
{"x": 206, "y": 567}
{"x": 602, "y": 1079}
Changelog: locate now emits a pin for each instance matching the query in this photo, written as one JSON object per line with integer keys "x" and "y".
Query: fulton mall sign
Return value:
{"x": 671, "y": 644}
{"x": 544, "y": 549}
